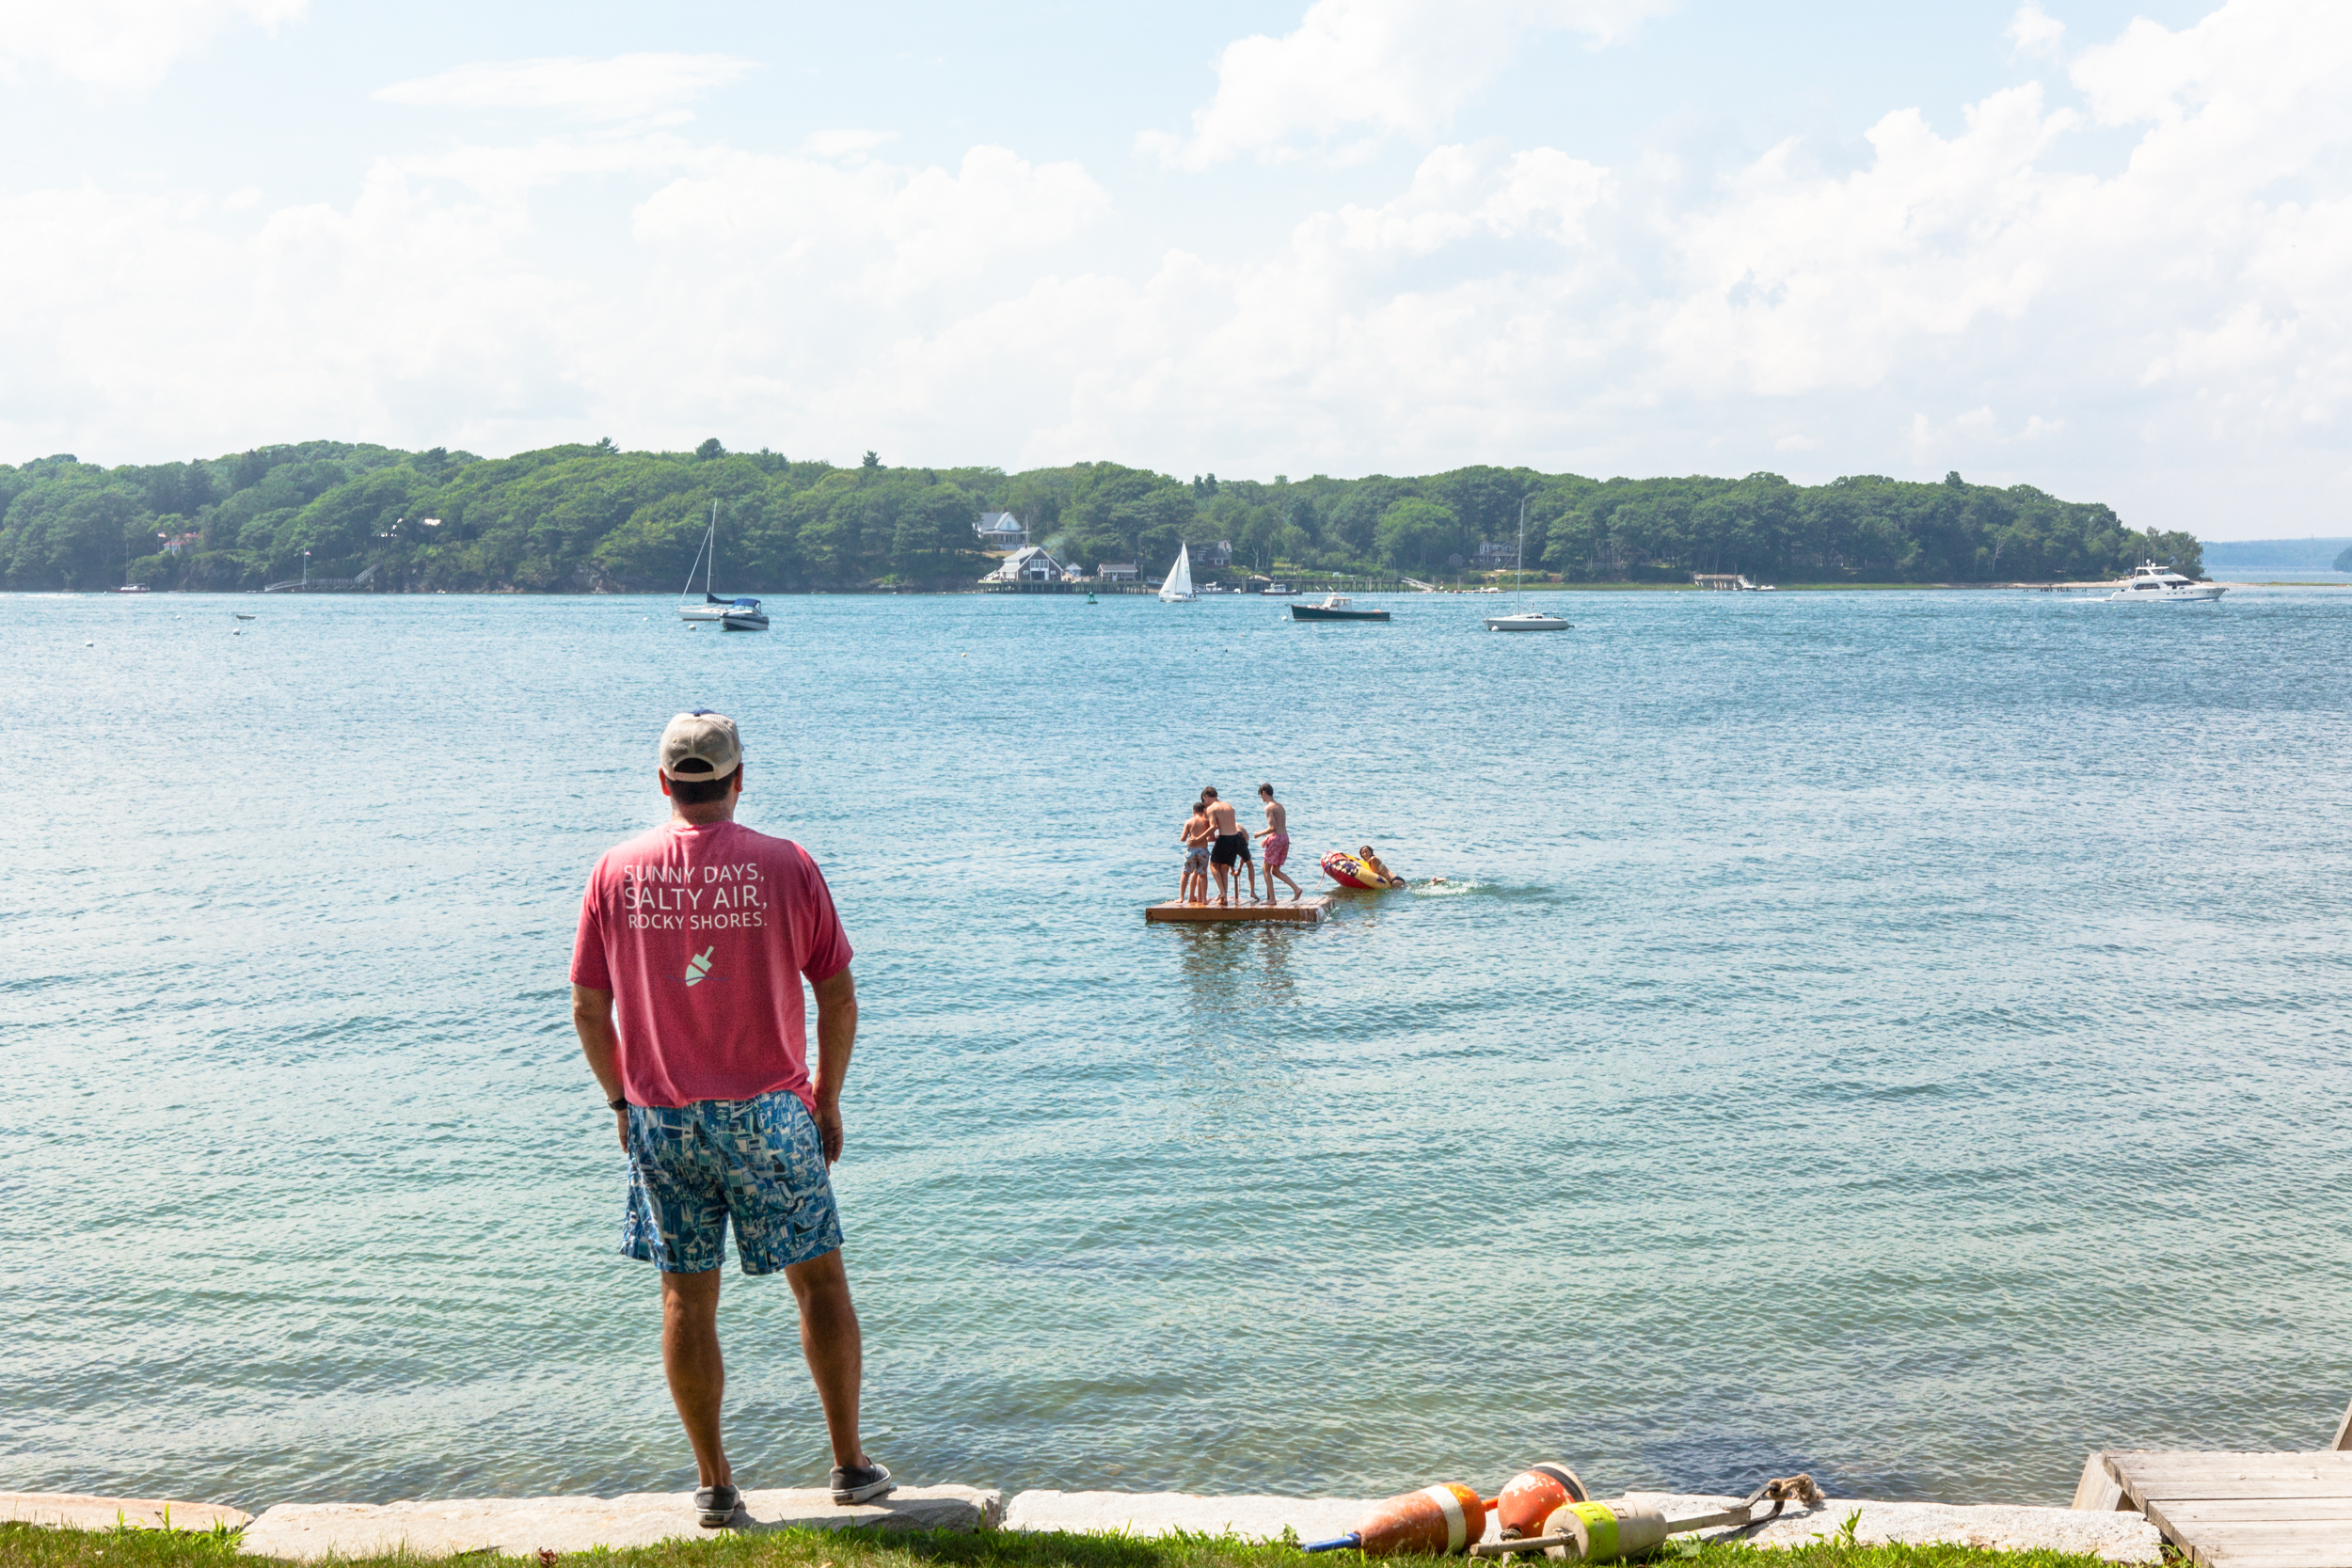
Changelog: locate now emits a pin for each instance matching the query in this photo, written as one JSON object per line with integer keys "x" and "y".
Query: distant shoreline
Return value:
{"x": 1075, "y": 589}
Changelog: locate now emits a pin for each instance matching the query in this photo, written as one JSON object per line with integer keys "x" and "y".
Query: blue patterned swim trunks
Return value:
{"x": 757, "y": 1161}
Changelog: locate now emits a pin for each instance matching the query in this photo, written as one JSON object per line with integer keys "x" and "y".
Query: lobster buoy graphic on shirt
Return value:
{"x": 1431, "y": 1522}
{"x": 1528, "y": 1499}
{"x": 698, "y": 966}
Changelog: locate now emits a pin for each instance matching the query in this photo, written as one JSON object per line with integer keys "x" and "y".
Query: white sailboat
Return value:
{"x": 1523, "y": 620}
{"x": 1178, "y": 587}
{"x": 712, "y": 608}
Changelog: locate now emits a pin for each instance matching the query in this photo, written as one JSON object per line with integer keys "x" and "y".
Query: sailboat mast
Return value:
{"x": 712, "y": 571}
{"x": 1518, "y": 560}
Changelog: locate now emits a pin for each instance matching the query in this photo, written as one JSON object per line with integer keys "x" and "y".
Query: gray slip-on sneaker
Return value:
{"x": 857, "y": 1484}
{"x": 715, "y": 1506}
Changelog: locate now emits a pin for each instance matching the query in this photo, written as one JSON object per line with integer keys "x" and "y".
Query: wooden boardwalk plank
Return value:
{"x": 2221, "y": 1509}
{"x": 2239, "y": 1510}
{"x": 1304, "y": 911}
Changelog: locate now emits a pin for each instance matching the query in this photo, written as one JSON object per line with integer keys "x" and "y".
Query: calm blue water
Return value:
{"x": 1902, "y": 1036}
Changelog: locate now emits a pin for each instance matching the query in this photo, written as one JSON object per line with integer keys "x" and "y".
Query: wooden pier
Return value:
{"x": 2234, "y": 1509}
{"x": 1305, "y": 911}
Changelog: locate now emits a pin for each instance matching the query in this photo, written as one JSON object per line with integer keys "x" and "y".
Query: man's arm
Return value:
{"x": 837, "y": 1036}
{"x": 591, "y": 1018}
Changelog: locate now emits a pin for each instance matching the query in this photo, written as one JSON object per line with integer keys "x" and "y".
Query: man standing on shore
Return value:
{"x": 701, "y": 931}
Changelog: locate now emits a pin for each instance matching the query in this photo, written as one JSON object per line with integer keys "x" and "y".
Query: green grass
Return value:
{"x": 30, "y": 1546}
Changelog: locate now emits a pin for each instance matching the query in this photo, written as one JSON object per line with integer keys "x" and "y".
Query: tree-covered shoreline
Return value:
{"x": 597, "y": 519}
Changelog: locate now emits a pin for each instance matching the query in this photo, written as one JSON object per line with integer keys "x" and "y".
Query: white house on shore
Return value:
{"x": 1030, "y": 563}
{"x": 1001, "y": 531}
{"x": 1115, "y": 571}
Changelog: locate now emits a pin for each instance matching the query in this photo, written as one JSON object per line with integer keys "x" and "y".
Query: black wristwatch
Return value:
{"x": 618, "y": 1105}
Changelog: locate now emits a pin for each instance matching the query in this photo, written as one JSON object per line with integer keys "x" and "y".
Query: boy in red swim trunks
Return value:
{"x": 1277, "y": 838}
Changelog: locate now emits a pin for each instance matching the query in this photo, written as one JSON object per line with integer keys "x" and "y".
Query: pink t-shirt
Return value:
{"x": 702, "y": 935}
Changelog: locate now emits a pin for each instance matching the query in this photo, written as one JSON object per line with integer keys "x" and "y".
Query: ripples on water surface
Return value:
{"x": 1898, "y": 1035}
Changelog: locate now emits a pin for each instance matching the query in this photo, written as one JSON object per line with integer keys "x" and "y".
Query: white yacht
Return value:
{"x": 2152, "y": 584}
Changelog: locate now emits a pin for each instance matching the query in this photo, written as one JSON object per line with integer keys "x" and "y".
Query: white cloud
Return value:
{"x": 123, "y": 43}
{"x": 2161, "y": 326}
{"x": 1459, "y": 192}
{"x": 626, "y": 86}
{"x": 2035, "y": 31}
{"x": 1367, "y": 67}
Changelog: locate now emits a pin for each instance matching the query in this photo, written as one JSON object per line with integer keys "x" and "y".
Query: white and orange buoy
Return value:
{"x": 1432, "y": 1522}
{"x": 1528, "y": 1499}
{"x": 1603, "y": 1532}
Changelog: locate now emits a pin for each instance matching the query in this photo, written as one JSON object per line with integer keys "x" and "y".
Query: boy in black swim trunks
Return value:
{"x": 1232, "y": 848}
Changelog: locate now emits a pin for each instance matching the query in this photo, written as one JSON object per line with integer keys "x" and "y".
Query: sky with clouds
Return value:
{"x": 2104, "y": 248}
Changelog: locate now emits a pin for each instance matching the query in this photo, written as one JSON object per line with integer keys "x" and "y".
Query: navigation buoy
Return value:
{"x": 1603, "y": 1532}
{"x": 1528, "y": 1499}
{"x": 1431, "y": 1522}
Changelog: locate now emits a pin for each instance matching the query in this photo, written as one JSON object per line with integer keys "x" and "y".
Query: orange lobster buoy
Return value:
{"x": 1528, "y": 1499}
{"x": 1431, "y": 1522}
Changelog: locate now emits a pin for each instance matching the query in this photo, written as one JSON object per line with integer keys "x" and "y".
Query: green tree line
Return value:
{"x": 592, "y": 518}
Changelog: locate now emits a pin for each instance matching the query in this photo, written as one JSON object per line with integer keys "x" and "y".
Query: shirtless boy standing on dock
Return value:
{"x": 1193, "y": 887}
{"x": 1232, "y": 848}
{"x": 1277, "y": 843}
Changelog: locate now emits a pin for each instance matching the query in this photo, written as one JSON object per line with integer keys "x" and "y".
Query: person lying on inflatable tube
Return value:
{"x": 1361, "y": 869}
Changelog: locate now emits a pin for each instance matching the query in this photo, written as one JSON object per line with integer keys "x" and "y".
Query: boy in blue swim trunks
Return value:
{"x": 694, "y": 943}
{"x": 1193, "y": 888}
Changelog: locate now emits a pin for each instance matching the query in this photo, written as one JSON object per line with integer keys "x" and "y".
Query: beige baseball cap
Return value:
{"x": 700, "y": 745}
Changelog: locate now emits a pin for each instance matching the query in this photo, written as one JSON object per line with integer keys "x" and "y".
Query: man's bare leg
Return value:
{"x": 697, "y": 1372}
{"x": 836, "y": 1351}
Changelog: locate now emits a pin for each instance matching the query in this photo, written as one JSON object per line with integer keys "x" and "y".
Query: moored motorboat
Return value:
{"x": 1335, "y": 607}
{"x": 1277, "y": 591}
{"x": 743, "y": 615}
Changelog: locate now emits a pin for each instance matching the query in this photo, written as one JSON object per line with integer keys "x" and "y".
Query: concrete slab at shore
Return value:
{"x": 2116, "y": 1537}
{"x": 73, "y": 1512}
{"x": 1303, "y": 912}
{"x": 523, "y": 1527}
{"x": 1164, "y": 1512}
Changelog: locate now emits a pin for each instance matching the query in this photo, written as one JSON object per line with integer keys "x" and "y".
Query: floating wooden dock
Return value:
{"x": 1306, "y": 911}
{"x": 2234, "y": 1509}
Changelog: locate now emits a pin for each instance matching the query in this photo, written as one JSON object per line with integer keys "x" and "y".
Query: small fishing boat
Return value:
{"x": 1277, "y": 591}
{"x": 1335, "y": 607}
{"x": 1523, "y": 620}
{"x": 743, "y": 615}
{"x": 2152, "y": 584}
{"x": 1177, "y": 588}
